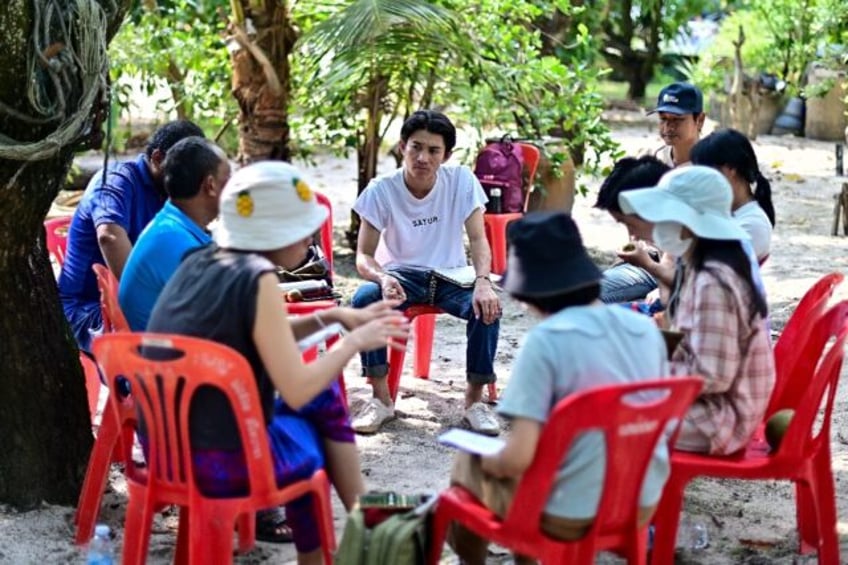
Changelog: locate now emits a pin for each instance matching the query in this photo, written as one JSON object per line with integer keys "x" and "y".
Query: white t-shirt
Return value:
{"x": 425, "y": 232}
{"x": 754, "y": 221}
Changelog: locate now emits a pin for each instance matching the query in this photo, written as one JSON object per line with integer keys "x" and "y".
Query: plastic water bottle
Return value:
{"x": 100, "y": 549}
{"x": 692, "y": 535}
{"x": 495, "y": 206}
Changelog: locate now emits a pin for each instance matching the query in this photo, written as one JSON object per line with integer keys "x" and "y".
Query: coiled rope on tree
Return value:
{"x": 67, "y": 70}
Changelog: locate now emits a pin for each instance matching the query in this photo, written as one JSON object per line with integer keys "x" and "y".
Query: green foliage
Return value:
{"x": 177, "y": 44}
{"x": 510, "y": 87}
{"x": 782, "y": 37}
{"x": 479, "y": 59}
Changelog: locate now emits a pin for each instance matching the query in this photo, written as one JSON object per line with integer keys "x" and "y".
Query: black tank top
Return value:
{"x": 213, "y": 295}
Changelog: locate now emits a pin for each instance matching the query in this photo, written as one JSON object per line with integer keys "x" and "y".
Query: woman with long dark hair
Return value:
{"x": 730, "y": 152}
{"x": 715, "y": 303}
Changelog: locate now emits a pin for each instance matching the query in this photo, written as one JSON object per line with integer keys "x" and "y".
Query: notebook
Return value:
{"x": 461, "y": 276}
{"x": 471, "y": 442}
{"x": 320, "y": 336}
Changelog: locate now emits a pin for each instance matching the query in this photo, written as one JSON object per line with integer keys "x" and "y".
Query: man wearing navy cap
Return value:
{"x": 680, "y": 106}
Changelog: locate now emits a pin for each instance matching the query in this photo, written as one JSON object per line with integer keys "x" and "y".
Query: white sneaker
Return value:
{"x": 371, "y": 417}
{"x": 482, "y": 420}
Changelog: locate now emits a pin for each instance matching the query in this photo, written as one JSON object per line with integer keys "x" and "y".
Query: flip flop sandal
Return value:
{"x": 271, "y": 526}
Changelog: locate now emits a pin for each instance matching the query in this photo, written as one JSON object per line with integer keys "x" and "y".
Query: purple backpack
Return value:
{"x": 501, "y": 164}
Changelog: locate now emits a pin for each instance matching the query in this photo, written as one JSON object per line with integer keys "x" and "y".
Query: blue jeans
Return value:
{"x": 625, "y": 282}
{"x": 85, "y": 320}
{"x": 421, "y": 287}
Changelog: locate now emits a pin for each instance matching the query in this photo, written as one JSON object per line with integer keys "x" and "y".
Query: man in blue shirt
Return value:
{"x": 195, "y": 172}
{"x": 111, "y": 215}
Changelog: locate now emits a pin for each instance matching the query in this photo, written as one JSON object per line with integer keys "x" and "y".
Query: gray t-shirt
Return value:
{"x": 573, "y": 350}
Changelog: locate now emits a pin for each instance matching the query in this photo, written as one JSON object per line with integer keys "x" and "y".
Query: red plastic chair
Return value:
{"x": 92, "y": 383}
{"x": 106, "y": 449}
{"x": 496, "y": 224}
{"x": 790, "y": 345}
{"x": 113, "y": 317}
{"x": 56, "y": 230}
{"x": 631, "y": 432}
{"x": 326, "y": 229}
{"x": 423, "y": 319}
{"x": 163, "y": 393}
{"x": 803, "y": 456}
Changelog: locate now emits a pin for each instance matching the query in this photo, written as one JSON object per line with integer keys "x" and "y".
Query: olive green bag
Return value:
{"x": 401, "y": 539}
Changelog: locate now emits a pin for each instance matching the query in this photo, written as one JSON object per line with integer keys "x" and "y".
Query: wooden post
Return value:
{"x": 840, "y": 208}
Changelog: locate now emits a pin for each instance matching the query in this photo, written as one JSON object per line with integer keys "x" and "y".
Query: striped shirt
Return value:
{"x": 730, "y": 350}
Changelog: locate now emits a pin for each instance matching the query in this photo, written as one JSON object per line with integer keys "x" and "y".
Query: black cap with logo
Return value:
{"x": 680, "y": 98}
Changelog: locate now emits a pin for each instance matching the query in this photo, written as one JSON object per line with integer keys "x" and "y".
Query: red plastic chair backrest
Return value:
{"x": 113, "y": 317}
{"x": 790, "y": 345}
{"x": 631, "y": 428}
{"x": 56, "y": 230}
{"x": 326, "y": 229}
{"x": 797, "y": 381}
{"x": 801, "y": 438}
{"x": 92, "y": 382}
{"x": 165, "y": 371}
{"x": 531, "y": 155}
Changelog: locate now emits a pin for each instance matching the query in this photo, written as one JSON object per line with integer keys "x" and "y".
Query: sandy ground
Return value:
{"x": 747, "y": 522}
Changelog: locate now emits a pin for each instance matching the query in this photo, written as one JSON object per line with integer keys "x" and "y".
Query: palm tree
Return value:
{"x": 262, "y": 39}
{"x": 372, "y": 61}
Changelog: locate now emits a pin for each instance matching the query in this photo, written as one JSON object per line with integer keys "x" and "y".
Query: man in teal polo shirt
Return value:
{"x": 195, "y": 172}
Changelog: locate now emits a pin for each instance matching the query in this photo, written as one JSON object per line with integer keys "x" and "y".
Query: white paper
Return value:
{"x": 320, "y": 336}
{"x": 462, "y": 276}
{"x": 472, "y": 442}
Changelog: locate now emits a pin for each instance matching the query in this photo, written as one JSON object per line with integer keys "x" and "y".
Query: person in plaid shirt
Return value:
{"x": 715, "y": 303}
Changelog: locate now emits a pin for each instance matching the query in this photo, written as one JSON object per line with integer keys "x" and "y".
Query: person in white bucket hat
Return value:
{"x": 715, "y": 303}
{"x": 227, "y": 292}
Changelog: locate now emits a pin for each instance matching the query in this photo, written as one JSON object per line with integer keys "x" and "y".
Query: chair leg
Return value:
{"x": 211, "y": 535}
{"x": 99, "y": 463}
{"x": 806, "y": 518}
{"x": 492, "y": 392}
{"x": 323, "y": 510}
{"x": 181, "y": 556}
{"x": 637, "y": 552}
{"x": 424, "y": 326}
{"x": 825, "y": 504}
{"x": 396, "y": 359}
{"x": 136, "y": 530}
{"x": 246, "y": 526}
{"x": 666, "y": 521}
{"x": 439, "y": 533}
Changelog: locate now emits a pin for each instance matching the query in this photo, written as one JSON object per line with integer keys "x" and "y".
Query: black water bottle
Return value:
{"x": 839, "y": 169}
{"x": 495, "y": 206}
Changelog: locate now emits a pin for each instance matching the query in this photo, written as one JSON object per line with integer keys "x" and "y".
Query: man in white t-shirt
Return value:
{"x": 412, "y": 223}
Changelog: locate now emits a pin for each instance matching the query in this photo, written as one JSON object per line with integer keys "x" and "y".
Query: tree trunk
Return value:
{"x": 45, "y": 429}
{"x": 368, "y": 151}
{"x": 261, "y": 78}
{"x": 637, "y": 84}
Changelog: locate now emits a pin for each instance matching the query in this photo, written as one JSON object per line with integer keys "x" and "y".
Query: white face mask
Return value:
{"x": 667, "y": 237}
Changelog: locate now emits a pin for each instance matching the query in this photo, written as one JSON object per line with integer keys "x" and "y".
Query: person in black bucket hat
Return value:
{"x": 579, "y": 343}
{"x": 547, "y": 258}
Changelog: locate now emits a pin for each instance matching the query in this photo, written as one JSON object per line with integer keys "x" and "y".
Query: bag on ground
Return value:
{"x": 392, "y": 531}
{"x": 501, "y": 165}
